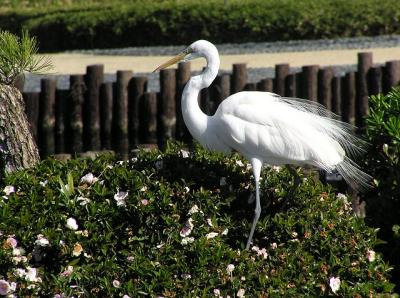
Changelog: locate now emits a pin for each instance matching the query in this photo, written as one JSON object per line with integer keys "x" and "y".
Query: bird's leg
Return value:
{"x": 297, "y": 181}
{"x": 256, "y": 164}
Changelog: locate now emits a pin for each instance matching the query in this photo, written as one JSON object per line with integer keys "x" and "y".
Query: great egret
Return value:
{"x": 267, "y": 128}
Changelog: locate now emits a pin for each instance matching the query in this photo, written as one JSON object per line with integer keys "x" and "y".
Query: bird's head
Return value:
{"x": 198, "y": 49}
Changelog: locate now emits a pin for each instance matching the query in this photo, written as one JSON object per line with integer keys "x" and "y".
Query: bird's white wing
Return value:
{"x": 280, "y": 130}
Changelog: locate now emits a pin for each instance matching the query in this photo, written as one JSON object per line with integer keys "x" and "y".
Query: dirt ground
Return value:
{"x": 76, "y": 63}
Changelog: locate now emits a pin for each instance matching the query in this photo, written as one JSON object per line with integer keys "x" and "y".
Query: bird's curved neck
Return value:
{"x": 195, "y": 120}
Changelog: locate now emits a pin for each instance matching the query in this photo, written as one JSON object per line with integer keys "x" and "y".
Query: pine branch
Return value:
{"x": 19, "y": 55}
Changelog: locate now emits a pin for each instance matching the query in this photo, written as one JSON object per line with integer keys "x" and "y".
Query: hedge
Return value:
{"x": 175, "y": 224}
{"x": 181, "y": 22}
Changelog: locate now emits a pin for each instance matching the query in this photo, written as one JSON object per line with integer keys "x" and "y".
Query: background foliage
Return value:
{"x": 63, "y": 25}
{"x": 383, "y": 162}
{"x": 138, "y": 242}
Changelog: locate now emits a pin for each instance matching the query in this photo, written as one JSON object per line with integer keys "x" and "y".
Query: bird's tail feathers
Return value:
{"x": 356, "y": 178}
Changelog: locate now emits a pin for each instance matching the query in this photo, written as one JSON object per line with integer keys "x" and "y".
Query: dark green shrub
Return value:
{"x": 383, "y": 161}
{"x": 132, "y": 243}
{"x": 139, "y": 23}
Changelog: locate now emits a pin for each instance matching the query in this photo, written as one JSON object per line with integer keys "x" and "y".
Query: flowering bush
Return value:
{"x": 175, "y": 224}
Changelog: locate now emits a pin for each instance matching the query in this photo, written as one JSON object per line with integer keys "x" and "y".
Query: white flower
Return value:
{"x": 116, "y": 283}
{"x": 217, "y": 292}
{"x": 230, "y": 268}
{"x": 239, "y": 163}
{"x": 209, "y": 222}
{"x": 120, "y": 197}
{"x": 9, "y": 189}
{"x": 370, "y": 255}
{"x": 71, "y": 224}
{"x": 193, "y": 210}
{"x": 240, "y": 293}
{"x": 274, "y": 245}
{"x": 222, "y": 181}
{"x": 5, "y": 287}
{"x": 144, "y": 188}
{"x": 43, "y": 183}
{"x": 185, "y": 154}
{"x": 89, "y": 178}
{"x": 187, "y": 229}
{"x": 186, "y": 276}
{"x": 31, "y": 274}
{"x": 83, "y": 201}
{"x": 41, "y": 241}
{"x": 126, "y": 296}
{"x": 334, "y": 283}
{"x": 187, "y": 240}
{"x": 187, "y": 189}
{"x": 19, "y": 272}
{"x": 211, "y": 235}
{"x": 18, "y": 251}
{"x": 341, "y": 196}
{"x": 224, "y": 232}
{"x": 276, "y": 168}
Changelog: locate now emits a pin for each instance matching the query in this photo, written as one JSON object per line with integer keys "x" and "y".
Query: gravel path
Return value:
{"x": 255, "y": 74}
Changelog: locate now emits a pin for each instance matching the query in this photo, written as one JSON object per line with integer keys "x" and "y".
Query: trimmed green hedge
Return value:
{"x": 175, "y": 224}
{"x": 181, "y": 22}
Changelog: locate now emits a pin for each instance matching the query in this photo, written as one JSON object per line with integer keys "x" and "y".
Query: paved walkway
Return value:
{"x": 76, "y": 63}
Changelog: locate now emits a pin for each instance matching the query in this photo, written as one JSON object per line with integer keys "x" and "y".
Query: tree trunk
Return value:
{"x": 18, "y": 149}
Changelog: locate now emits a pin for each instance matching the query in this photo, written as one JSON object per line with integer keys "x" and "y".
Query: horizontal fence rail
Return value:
{"x": 94, "y": 115}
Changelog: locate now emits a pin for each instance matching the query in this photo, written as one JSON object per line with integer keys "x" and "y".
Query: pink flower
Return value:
{"x": 144, "y": 202}
{"x": 187, "y": 229}
{"x": 9, "y": 189}
{"x": 120, "y": 197}
{"x": 116, "y": 283}
{"x": 370, "y": 255}
{"x": 67, "y": 272}
{"x": 89, "y": 178}
{"x": 10, "y": 242}
{"x": 5, "y": 287}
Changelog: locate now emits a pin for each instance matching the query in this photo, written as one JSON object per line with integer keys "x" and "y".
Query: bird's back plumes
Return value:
{"x": 328, "y": 123}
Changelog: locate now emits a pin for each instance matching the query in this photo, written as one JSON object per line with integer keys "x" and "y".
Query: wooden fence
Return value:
{"x": 94, "y": 115}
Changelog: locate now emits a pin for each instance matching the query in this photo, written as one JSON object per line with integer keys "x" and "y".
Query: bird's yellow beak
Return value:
{"x": 172, "y": 61}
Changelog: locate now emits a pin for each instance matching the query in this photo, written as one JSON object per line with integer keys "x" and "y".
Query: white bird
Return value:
{"x": 267, "y": 128}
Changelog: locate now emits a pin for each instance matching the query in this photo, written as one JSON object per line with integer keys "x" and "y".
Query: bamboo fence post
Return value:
{"x": 120, "y": 113}
{"x": 250, "y": 87}
{"x": 220, "y": 89}
{"x": 290, "y": 85}
{"x": 149, "y": 120}
{"x": 349, "y": 98}
{"x": 265, "y": 85}
{"x": 364, "y": 65}
{"x": 166, "y": 108}
{"x": 182, "y": 77}
{"x": 391, "y": 75}
{"x": 32, "y": 111}
{"x": 336, "y": 95}
{"x": 136, "y": 89}
{"x": 239, "y": 77}
{"x": 325, "y": 76}
{"x": 93, "y": 79}
{"x": 309, "y": 82}
{"x": 60, "y": 114}
{"x": 281, "y": 72}
{"x": 106, "y": 114}
{"x": 46, "y": 117}
{"x": 375, "y": 80}
{"x": 74, "y": 106}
